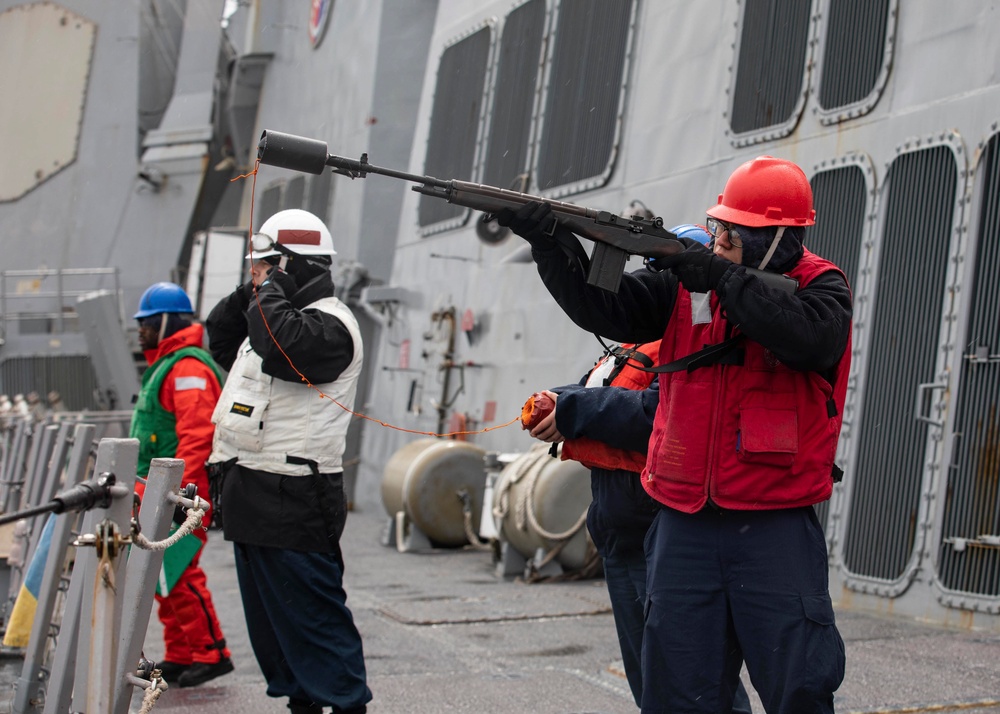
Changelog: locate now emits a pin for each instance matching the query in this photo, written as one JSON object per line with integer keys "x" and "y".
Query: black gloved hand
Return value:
{"x": 533, "y": 221}
{"x": 697, "y": 267}
{"x": 246, "y": 291}
{"x": 282, "y": 279}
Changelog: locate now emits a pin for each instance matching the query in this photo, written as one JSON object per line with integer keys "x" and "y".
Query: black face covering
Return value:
{"x": 757, "y": 241}
{"x": 306, "y": 267}
{"x": 174, "y": 322}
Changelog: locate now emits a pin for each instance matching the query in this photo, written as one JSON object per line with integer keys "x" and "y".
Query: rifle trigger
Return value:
{"x": 551, "y": 230}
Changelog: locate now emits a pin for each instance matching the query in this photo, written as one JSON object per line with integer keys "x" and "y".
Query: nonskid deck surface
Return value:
{"x": 442, "y": 633}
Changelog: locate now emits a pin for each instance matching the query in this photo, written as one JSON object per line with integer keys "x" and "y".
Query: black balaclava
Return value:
{"x": 174, "y": 322}
{"x": 757, "y": 241}
{"x": 306, "y": 267}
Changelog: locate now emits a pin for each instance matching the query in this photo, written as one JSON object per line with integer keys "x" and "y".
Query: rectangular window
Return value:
{"x": 856, "y": 55}
{"x": 507, "y": 156}
{"x": 769, "y": 91}
{"x": 584, "y": 94}
{"x": 456, "y": 117}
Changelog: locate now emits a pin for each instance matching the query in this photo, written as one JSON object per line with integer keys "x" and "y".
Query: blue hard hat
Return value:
{"x": 163, "y": 297}
{"x": 692, "y": 231}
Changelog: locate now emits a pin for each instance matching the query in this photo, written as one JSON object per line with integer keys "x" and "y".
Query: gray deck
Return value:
{"x": 443, "y": 634}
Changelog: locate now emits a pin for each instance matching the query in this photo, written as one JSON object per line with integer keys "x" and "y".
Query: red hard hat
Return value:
{"x": 766, "y": 192}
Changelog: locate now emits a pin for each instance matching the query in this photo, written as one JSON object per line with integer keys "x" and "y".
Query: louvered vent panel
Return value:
{"x": 455, "y": 119}
{"x": 839, "y": 199}
{"x": 584, "y": 91}
{"x": 905, "y": 324}
{"x": 517, "y": 79}
{"x": 970, "y": 552}
{"x": 771, "y": 63}
{"x": 854, "y": 51}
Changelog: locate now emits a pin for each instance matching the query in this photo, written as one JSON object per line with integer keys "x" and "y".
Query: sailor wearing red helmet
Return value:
{"x": 742, "y": 445}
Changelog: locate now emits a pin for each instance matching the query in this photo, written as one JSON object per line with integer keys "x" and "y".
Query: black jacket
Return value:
{"x": 317, "y": 343}
{"x": 807, "y": 330}
{"x": 304, "y": 513}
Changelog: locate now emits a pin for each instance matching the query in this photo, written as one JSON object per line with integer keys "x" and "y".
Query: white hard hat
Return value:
{"x": 298, "y": 231}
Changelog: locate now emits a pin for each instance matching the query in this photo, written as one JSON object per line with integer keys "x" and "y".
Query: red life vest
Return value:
{"x": 756, "y": 436}
{"x": 596, "y": 454}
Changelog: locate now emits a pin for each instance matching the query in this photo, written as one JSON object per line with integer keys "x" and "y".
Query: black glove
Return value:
{"x": 180, "y": 514}
{"x": 246, "y": 291}
{"x": 533, "y": 221}
{"x": 698, "y": 268}
{"x": 282, "y": 279}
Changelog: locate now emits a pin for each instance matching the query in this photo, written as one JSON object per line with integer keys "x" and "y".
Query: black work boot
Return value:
{"x": 170, "y": 671}
{"x": 299, "y": 706}
{"x": 200, "y": 672}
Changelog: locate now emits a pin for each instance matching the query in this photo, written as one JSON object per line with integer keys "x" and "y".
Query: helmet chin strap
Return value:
{"x": 774, "y": 246}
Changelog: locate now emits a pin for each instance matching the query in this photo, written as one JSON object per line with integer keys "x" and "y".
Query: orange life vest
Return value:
{"x": 596, "y": 454}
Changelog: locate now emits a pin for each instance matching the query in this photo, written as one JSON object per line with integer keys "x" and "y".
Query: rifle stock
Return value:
{"x": 615, "y": 237}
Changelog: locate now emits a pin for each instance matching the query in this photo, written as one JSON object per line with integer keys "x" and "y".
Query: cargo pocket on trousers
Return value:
{"x": 824, "y": 651}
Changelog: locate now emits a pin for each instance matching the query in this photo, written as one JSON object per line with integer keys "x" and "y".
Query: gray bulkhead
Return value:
{"x": 897, "y": 133}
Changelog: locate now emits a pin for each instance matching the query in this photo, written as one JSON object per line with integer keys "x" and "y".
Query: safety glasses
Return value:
{"x": 717, "y": 228}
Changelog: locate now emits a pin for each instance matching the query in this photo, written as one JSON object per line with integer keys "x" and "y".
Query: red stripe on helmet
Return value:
{"x": 294, "y": 236}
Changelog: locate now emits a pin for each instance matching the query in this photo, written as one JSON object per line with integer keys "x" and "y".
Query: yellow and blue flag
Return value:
{"x": 23, "y": 613}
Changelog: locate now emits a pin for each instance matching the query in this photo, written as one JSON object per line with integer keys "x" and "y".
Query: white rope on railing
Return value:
{"x": 195, "y": 514}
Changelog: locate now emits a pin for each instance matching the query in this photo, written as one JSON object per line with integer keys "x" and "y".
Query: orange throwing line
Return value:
{"x": 253, "y": 191}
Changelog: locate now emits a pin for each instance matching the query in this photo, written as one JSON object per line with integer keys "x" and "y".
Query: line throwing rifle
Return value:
{"x": 615, "y": 237}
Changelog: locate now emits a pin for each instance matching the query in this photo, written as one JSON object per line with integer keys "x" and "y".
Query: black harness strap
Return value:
{"x": 622, "y": 357}
{"x": 725, "y": 352}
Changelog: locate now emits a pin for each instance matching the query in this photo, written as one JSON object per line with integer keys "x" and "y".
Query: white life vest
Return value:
{"x": 262, "y": 421}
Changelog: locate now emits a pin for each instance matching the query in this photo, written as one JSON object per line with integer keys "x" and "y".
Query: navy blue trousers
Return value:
{"x": 726, "y": 587}
{"x": 300, "y": 628}
{"x": 618, "y": 519}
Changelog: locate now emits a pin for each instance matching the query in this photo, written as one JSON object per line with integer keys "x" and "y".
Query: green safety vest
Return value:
{"x": 156, "y": 430}
{"x": 152, "y": 425}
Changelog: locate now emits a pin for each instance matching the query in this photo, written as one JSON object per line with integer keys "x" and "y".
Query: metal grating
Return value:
{"x": 513, "y": 99}
{"x": 72, "y": 376}
{"x": 854, "y": 51}
{"x": 970, "y": 553}
{"x": 840, "y": 200}
{"x": 904, "y": 334}
{"x": 455, "y": 119}
{"x": 584, "y": 91}
{"x": 771, "y": 65}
